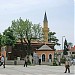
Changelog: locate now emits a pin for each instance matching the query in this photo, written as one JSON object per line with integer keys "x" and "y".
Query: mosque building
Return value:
{"x": 44, "y": 50}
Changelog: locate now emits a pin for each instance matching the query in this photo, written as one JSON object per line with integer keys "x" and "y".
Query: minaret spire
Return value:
{"x": 45, "y": 17}
{"x": 45, "y": 28}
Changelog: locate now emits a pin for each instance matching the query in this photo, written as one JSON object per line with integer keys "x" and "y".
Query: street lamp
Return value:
{"x": 62, "y": 41}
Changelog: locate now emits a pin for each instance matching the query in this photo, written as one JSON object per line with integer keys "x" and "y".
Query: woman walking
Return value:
{"x": 26, "y": 60}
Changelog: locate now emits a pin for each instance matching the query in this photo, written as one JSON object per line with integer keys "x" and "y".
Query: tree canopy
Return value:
{"x": 0, "y": 38}
{"x": 8, "y": 38}
{"x": 26, "y": 31}
{"x": 52, "y": 38}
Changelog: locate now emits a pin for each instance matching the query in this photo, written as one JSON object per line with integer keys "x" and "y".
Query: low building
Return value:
{"x": 45, "y": 53}
{"x": 71, "y": 52}
{"x": 19, "y": 50}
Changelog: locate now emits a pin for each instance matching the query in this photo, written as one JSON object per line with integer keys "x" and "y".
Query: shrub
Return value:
{"x": 29, "y": 63}
{"x": 54, "y": 63}
{"x": 63, "y": 59}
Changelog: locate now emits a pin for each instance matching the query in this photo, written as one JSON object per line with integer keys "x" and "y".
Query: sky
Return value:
{"x": 60, "y": 15}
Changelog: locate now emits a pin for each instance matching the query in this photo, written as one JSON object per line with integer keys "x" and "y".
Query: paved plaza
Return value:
{"x": 35, "y": 70}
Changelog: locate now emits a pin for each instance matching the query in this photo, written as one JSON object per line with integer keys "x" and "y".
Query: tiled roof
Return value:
{"x": 72, "y": 49}
{"x": 45, "y": 47}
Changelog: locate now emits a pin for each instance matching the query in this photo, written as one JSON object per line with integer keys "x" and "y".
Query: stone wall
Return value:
{"x": 14, "y": 62}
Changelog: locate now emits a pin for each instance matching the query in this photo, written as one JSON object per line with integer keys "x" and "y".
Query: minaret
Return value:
{"x": 45, "y": 28}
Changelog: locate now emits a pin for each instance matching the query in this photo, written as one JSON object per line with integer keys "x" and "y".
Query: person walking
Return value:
{"x": 39, "y": 60}
{"x": 26, "y": 60}
{"x": 67, "y": 66}
{"x": 3, "y": 61}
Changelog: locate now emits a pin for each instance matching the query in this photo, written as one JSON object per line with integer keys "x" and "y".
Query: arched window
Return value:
{"x": 43, "y": 58}
{"x": 50, "y": 57}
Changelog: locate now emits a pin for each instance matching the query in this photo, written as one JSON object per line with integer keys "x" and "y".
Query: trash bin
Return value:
{"x": 15, "y": 62}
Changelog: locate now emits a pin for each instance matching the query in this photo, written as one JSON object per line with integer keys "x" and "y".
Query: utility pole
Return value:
{"x": 62, "y": 41}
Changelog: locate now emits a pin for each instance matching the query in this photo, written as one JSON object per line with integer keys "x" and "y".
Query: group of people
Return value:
{"x": 67, "y": 63}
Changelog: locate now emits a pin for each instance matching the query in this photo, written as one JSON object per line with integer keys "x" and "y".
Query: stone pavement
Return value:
{"x": 35, "y": 70}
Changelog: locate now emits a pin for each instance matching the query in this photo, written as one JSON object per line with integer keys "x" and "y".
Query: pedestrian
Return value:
{"x": 26, "y": 60}
{"x": 67, "y": 66}
{"x": 39, "y": 61}
{"x": 3, "y": 61}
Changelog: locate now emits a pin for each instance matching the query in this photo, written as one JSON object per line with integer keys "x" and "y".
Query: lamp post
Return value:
{"x": 62, "y": 41}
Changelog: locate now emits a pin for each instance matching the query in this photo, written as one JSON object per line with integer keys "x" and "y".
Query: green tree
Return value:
{"x": 3, "y": 40}
{"x": 26, "y": 31}
{"x": 53, "y": 38}
{"x": 65, "y": 47}
{"x": 8, "y": 38}
{"x": 0, "y": 41}
{"x": 0, "y": 38}
{"x": 37, "y": 32}
{"x": 19, "y": 30}
{"x": 28, "y": 36}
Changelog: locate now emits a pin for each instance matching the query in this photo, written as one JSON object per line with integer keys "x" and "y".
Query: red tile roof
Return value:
{"x": 70, "y": 49}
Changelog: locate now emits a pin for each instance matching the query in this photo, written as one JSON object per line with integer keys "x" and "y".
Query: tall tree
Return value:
{"x": 25, "y": 31}
{"x": 28, "y": 36}
{"x": 0, "y": 38}
{"x": 8, "y": 38}
{"x": 65, "y": 47}
{"x": 53, "y": 38}
{"x": 0, "y": 41}
{"x": 37, "y": 32}
{"x": 19, "y": 30}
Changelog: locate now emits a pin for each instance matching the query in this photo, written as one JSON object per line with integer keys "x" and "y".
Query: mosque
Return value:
{"x": 44, "y": 50}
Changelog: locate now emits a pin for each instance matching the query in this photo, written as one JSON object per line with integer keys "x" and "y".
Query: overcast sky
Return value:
{"x": 60, "y": 15}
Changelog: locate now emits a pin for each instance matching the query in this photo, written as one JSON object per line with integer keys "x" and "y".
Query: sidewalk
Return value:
{"x": 34, "y": 70}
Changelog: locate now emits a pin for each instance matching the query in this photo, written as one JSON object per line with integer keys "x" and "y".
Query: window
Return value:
{"x": 50, "y": 57}
{"x": 43, "y": 58}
